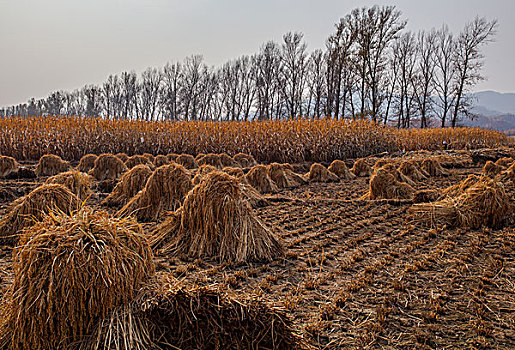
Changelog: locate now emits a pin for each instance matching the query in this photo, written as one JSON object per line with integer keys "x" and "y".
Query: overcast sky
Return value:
{"x": 64, "y": 44}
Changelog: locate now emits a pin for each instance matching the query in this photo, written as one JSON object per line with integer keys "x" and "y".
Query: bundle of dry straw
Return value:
{"x": 412, "y": 170}
{"x": 228, "y": 161}
{"x": 161, "y": 160}
{"x": 258, "y": 178}
{"x": 319, "y": 173}
{"x": 87, "y": 163}
{"x": 492, "y": 169}
{"x": 211, "y": 159}
{"x": 384, "y": 185}
{"x": 70, "y": 272}
{"x": 340, "y": 169}
{"x": 8, "y": 165}
{"x": 187, "y": 161}
{"x": 217, "y": 222}
{"x": 361, "y": 168}
{"x": 134, "y": 160}
{"x": 122, "y": 156}
{"x": 471, "y": 205}
{"x": 165, "y": 190}
{"x": 77, "y": 182}
{"x": 129, "y": 185}
{"x": 50, "y": 165}
{"x": 245, "y": 160}
{"x": 34, "y": 206}
{"x": 107, "y": 167}
{"x": 284, "y": 176}
{"x": 432, "y": 167}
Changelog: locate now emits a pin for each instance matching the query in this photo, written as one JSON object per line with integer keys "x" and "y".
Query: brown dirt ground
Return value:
{"x": 362, "y": 275}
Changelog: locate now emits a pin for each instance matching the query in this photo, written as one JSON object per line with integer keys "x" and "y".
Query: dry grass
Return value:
{"x": 161, "y": 160}
{"x": 87, "y": 163}
{"x": 211, "y": 159}
{"x": 150, "y": 157}
{"x": 228, "y": 161}
{"x": 284, "y": 176}
{"x": 70, "y": 272}
{"x": 107, "y": 167}
{"x": 339, "y": 168}
{"x": 425, "y": 196}
{"x": 233, "y": 171}
{"x": 432, "y": 167}
{"x": 77, "y": 182}
{"x": 172, "y": 157}
{"x": 50, "y": 165}
{"x": 258, "y": 178}
{"x": 187, "y": 161}
{"x": 505, "y": 162}
{"x": 8, "y": 165}
{"x": 361, "y": 168}
{"x": 165, "y": 190}
{"x": 491, "y": 169}
{"x": 400, "y": 177}
{"x": 245, "y": 160}
{"x": 33, "y": 207}
{"x": 123, "y": 156}
{"x": 217, "y": 222}
{"x": 170, "y": 314}
{"x": 411, "y": 169}
{"x": 483, "y": 203}
{"x": 459, "y": 188}
{"x": 132, "y": 161}
{"x": 384, "y": 185}
{"x": 202, "y": 171}
{"x": 382, "y": 162}
{"x": 129, "y": 185}
{"x": 319, "y": 173}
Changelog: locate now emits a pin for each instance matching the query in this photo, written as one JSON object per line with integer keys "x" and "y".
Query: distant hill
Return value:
{"x": 495, "y": 111}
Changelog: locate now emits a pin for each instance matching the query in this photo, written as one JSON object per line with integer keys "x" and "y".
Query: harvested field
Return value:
{"x": 357, "y": 274}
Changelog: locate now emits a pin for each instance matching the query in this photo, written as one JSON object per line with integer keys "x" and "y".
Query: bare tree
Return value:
{"x": 423, "y": 81}
{"x": 151, "y": 84}
{"x": 445, "y": 72}
{"x": 468, "y": 60}
{"x": 172, "y": 80}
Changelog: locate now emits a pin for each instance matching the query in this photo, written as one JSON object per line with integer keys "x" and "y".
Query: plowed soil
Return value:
{"x": 361, "y": 274}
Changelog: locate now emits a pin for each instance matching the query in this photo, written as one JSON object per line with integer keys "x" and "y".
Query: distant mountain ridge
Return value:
{"x": 494, "y": 110}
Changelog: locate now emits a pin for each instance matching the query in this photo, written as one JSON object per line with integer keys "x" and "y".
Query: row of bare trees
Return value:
{"x": 371, "y": 67}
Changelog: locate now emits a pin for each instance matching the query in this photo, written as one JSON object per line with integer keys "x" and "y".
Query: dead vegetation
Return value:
{"x": 122, "y": 156}
{"x": 245, "y": 160}
{"x": 361, "y": 168}
{"x": 165, "y": 190}
{"x": 412, "y": 170}
{"x": 86, "y": 163}
{"x": 33, "y": 207}
{"x": 211, "y": 159}
{"x": 259, "y": 178}
{"x": 129, "y": 185}
{"x": 432, "y": 167}
{"x": 8, "y": 165}
{"x": 50, "y": 165}
{"x": 228, "y": 161}
{"x": 491, "y": 169}
{"x": 384, "y": 185}
{"x": 339, "y": 168}
{"x": 161, "y": 160}
{"x": 234, "y": 171}
{"x": 470, "y": 205}
{"x": 107, "y": 167}
{"x": 77, "y": 182}
{"x": 284, "y": 176}
{"x": 134, "y": 160}
{"x": 216, "y": 222}
{"x": 69, "y": 272}
{"x": 319, "y": 173}
{"x": 187, "y": 161}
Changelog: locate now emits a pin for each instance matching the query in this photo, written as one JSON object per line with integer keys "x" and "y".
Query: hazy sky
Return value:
{"x": 64, "y": 44}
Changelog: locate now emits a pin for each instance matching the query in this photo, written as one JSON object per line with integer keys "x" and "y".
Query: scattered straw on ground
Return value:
{"x": 492, "y": 169}
{"x": 50, "y": 165}
{"x": 165, "y": 190}
{"x": 217, "y": 222}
